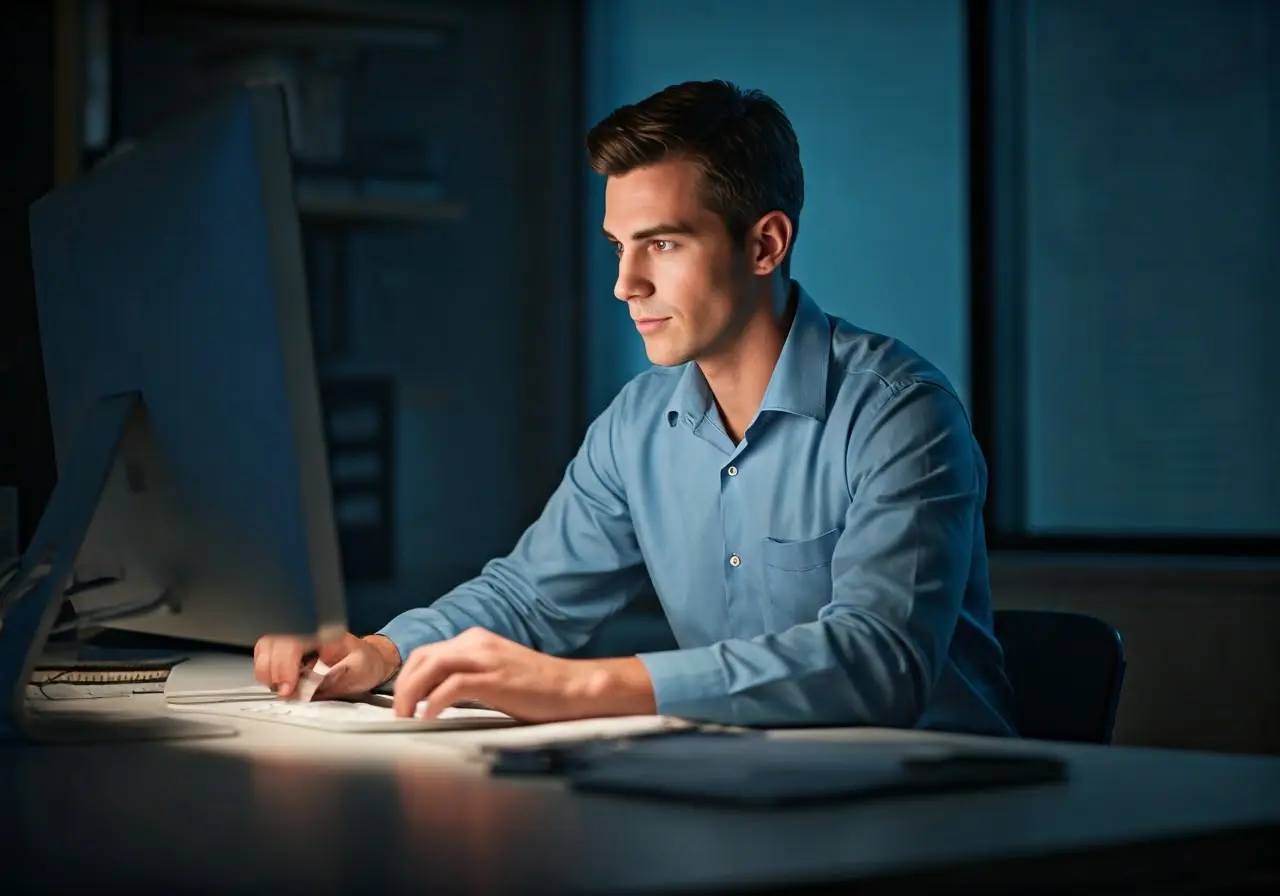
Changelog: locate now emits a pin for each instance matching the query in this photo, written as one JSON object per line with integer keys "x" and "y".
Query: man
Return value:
{"x": 805, "y": 497}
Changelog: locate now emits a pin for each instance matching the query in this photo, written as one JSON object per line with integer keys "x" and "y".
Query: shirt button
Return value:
{"x": 735, "y": 560}
{"x": 732, "y": 471}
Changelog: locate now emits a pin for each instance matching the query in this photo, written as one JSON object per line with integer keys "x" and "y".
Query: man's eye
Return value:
{"x": 663, "y": 245}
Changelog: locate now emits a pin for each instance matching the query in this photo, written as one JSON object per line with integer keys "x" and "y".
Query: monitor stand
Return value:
{"x": 115, "y": 428}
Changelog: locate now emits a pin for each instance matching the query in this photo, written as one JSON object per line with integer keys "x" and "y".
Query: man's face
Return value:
{"x": 685, "y": 283}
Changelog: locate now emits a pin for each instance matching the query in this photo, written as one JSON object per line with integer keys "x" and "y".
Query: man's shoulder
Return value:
{"x": 875, "y": 365}
{"x": 882, "y": 391}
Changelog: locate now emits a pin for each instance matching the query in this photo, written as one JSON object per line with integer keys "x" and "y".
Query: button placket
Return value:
{"x": 734, "y": 560}
{"x": 738, "y": 583}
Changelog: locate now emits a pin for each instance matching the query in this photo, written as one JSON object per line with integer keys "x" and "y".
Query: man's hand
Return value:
{"x": 356, "y": 665}
{"x": 486, "y": 668}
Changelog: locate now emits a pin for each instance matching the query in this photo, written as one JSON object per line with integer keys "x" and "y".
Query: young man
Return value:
{"x": 805, "y": 497}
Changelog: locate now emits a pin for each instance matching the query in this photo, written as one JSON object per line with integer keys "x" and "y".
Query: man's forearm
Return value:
{"x": 501, "y": 601}
{"x": 846, "y": 670}
{"x": 617, "y": 687}
{"x": 608, "y": 687}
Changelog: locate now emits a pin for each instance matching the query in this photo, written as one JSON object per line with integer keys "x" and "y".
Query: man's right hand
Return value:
{"x": 356, "y": 665}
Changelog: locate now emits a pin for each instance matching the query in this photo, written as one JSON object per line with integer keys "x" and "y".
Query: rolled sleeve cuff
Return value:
{"x": 407, "y": 633}
{"x": 689, "y": 684}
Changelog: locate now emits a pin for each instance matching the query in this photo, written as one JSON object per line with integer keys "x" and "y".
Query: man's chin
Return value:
{"x": 661, "y": 356}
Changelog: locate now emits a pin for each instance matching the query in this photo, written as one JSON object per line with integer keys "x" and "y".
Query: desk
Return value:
{"x": 281, "y": 809}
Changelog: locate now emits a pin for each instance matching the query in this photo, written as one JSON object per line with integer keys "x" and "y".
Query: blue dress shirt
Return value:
{"x": 830, "y": 569}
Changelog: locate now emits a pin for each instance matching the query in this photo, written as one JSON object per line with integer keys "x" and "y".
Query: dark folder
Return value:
{"x": 760, "y": 771}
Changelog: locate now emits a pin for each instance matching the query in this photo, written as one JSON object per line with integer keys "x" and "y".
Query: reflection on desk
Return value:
{"x": 318, "y": 812}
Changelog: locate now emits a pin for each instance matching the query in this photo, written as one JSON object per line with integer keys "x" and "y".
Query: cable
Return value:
{"x": 12, "y": 586}
{"x": 11, "y": 581}
{"x": 113, "y": 614}
{"x": 76, "y": 588}
{"x": 9, "y": 570}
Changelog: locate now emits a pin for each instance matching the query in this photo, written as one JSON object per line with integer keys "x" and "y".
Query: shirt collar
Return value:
{"x": 798, "y": 384}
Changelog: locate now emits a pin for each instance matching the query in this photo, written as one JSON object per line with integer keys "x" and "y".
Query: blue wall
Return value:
{"x": 875, "y": 90}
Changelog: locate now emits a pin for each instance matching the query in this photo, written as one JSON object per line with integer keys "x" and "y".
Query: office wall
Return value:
{"x": 475, "y": 315}
{"x": 1200, "y": 639}
{"x": 874, "y": 89}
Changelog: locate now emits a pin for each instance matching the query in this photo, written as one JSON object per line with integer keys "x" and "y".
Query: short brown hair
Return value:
{"x": 741, "y": 140}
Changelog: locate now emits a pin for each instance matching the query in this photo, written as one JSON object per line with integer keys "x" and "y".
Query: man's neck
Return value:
{"x": 739, "y": 376}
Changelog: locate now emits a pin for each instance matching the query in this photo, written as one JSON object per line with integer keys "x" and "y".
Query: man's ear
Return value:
{"x": 768, "y": 243}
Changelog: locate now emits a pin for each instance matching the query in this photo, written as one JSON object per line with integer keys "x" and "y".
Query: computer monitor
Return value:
{"x": 193, "y": 474}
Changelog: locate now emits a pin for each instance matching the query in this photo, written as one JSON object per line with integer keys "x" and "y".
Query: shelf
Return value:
{"x": 301, "y": 23}
{"x": 311, "y": 35}
{"x": 334, "y": 12}
{"x": 375, "y": 209}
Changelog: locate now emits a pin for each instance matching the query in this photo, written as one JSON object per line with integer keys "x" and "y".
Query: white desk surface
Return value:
{"x": 286, "y": 809}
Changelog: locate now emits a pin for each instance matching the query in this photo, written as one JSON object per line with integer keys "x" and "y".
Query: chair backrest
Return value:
{"x": 1066, "y": 670}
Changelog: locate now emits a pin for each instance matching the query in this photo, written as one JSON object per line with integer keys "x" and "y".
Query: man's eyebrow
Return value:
{"x": 648, "y": 233}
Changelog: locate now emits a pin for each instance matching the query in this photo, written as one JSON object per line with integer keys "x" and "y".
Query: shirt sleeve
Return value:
{"x": 899, "y": 573}
{"x": 575, "y": 566}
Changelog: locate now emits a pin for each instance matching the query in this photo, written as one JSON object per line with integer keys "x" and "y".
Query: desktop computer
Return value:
{"x": 193, "y": 498}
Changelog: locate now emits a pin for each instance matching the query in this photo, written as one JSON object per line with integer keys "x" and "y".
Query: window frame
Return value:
{"x": 995, "y": 63}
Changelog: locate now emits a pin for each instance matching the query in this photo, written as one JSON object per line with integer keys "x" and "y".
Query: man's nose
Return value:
{"x": 631, "y": 282}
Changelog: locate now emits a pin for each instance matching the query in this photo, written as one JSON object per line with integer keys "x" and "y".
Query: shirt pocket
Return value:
{"x": 797, "y": 578}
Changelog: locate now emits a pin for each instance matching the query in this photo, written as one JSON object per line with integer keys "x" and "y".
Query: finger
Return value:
{"x": 455, "y": 689}
{"x": 412, "y": 670}
{"x": 412, "y": 665}
{"x": 286, "y": 666}
{"x": 427, "y": 675}
{"x": 270, "y": 653}
{"x": 261, "y": 663}
{"x": 415, "y": 680}
{"x": 334, "y": 652}
{"x": 335, "y": 680}
{"x": 418, "y": 656}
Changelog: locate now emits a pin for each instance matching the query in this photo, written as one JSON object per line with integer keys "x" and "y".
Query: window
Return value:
{"x": 1126, "y": 271}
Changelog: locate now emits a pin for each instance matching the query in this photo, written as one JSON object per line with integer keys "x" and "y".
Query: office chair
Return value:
{"x": 1066, "y": 670}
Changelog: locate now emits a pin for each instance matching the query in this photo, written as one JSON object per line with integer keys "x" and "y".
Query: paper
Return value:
{"x": 217, "y": 678}
{"x": 309, "y": 681}
{"x": 479, "y": 743}
{"x": 221, "y": 695}
{"x": 211, "y": 677}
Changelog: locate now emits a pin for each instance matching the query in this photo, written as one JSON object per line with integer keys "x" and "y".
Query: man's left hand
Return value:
{"x": 482, "y": 667}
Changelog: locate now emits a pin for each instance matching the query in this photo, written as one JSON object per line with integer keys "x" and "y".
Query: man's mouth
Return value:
{"x": 650, "y": 324}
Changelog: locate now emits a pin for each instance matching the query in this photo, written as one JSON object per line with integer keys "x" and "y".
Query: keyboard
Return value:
{"x": 345, "y": 716}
